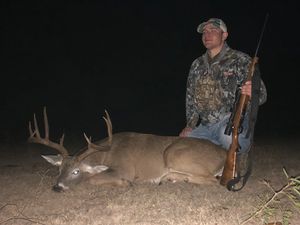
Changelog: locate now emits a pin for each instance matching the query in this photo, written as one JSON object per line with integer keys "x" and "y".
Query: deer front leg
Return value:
{"x": 111, "y": 178}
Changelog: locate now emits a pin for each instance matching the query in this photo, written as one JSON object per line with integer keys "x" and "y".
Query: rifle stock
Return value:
{"x": 229, "y": 171}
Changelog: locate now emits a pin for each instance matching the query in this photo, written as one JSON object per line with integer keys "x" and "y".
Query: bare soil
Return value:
{"x": 26, "y": 196}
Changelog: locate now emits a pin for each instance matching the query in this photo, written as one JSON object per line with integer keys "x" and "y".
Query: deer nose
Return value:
{"x": 57, "y": 188}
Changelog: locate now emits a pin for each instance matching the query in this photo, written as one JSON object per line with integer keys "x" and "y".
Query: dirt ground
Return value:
{"x": 26, "y": 196}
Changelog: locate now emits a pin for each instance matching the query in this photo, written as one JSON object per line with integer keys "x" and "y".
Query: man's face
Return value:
{"x": 213, "y": 37}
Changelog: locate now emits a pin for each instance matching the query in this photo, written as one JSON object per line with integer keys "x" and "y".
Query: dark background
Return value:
{"x": 132, "y": 58}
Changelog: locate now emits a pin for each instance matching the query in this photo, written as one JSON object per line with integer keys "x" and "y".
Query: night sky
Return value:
{"x": 132, "y": 58}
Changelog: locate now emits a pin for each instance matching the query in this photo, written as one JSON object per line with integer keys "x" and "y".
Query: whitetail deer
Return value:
{"x": 127, "y": 157}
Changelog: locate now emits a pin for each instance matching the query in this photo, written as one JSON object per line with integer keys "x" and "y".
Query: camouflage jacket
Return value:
{"x": 212, "y": 85}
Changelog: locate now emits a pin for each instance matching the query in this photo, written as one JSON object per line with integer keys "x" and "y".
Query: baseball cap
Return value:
{"x": 215, "y": 22}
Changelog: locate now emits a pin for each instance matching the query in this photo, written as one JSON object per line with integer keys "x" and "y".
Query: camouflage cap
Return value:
{"x": 215, "y": 22}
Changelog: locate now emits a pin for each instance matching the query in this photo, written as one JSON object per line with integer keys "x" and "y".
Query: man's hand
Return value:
{"x": 247, "y": 88}
{"x": 185, "y": 132}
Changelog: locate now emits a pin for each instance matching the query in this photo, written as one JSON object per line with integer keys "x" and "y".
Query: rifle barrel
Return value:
{"x": 261, "y": 34}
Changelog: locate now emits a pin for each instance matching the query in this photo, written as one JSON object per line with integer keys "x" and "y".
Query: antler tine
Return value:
{"x": 36, "y": 127}
{"x": 88, "y": 140}
{"x": 46, "y": 124}
{"x": 108, "y": 118}
{"x": 61, "y": 140}
{"x": 35, "y": 136}
{"x": 30, "y": 130}
{"x": 109, "y": 126}
{"x": 91, "y": 148}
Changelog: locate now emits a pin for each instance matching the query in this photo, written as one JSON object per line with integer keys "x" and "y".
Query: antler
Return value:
{"x": 35, "y": 136}
{"x": 109, "y": 126}
{"x": 102, "y": 147}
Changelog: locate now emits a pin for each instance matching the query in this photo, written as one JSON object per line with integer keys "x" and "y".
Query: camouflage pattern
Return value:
{"x": 218, "y": 23}
{"x": 212, "y": 84}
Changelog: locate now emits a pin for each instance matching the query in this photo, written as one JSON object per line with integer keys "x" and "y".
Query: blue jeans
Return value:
{"x": 215, "y": 133}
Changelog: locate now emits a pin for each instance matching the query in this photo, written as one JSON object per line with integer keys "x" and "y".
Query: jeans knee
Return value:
{"x": 244, "y": 144}
{"x": 225, "y": 141}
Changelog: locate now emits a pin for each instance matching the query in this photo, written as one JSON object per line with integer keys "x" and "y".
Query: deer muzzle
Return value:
{"x": 59, "y": 187}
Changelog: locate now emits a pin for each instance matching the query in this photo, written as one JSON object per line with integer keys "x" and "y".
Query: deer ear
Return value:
{"x": 100, "y": 168}
{"x": 94, "y": 169}
{"x": 55, "y": 160}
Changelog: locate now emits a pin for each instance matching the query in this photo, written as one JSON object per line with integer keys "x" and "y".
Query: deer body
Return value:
{"x": 133, "y": 157}
{"x": 128, "y": 157}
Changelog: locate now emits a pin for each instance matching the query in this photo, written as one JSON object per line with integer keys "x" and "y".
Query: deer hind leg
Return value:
{"x": 110, "y": 178}
{"x": 178, "y": 176}
{"x": 201, "y": 180}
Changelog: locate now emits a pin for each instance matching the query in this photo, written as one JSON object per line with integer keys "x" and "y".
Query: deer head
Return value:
{"x": 72, "y": 169}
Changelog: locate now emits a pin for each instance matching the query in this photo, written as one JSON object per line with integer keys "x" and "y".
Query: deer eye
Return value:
{"x": 75, "y": 172}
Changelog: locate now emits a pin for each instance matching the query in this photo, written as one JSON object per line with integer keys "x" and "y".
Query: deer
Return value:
{"x": 127, "y": 158}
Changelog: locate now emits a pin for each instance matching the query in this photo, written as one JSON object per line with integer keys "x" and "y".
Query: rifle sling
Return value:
{"x": 254, "y": 103}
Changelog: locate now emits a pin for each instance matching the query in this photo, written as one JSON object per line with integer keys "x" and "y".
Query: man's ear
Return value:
{"x": 224, "y": 36}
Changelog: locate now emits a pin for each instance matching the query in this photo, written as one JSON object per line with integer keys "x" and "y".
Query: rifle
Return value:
{"x": 228, "y": 177}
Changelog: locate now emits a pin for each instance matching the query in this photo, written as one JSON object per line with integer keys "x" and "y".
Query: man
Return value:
{"x": 213, "y": 81}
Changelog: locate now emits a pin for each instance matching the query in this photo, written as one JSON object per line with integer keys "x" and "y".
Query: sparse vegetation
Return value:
{"x": 291, "y": 190}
